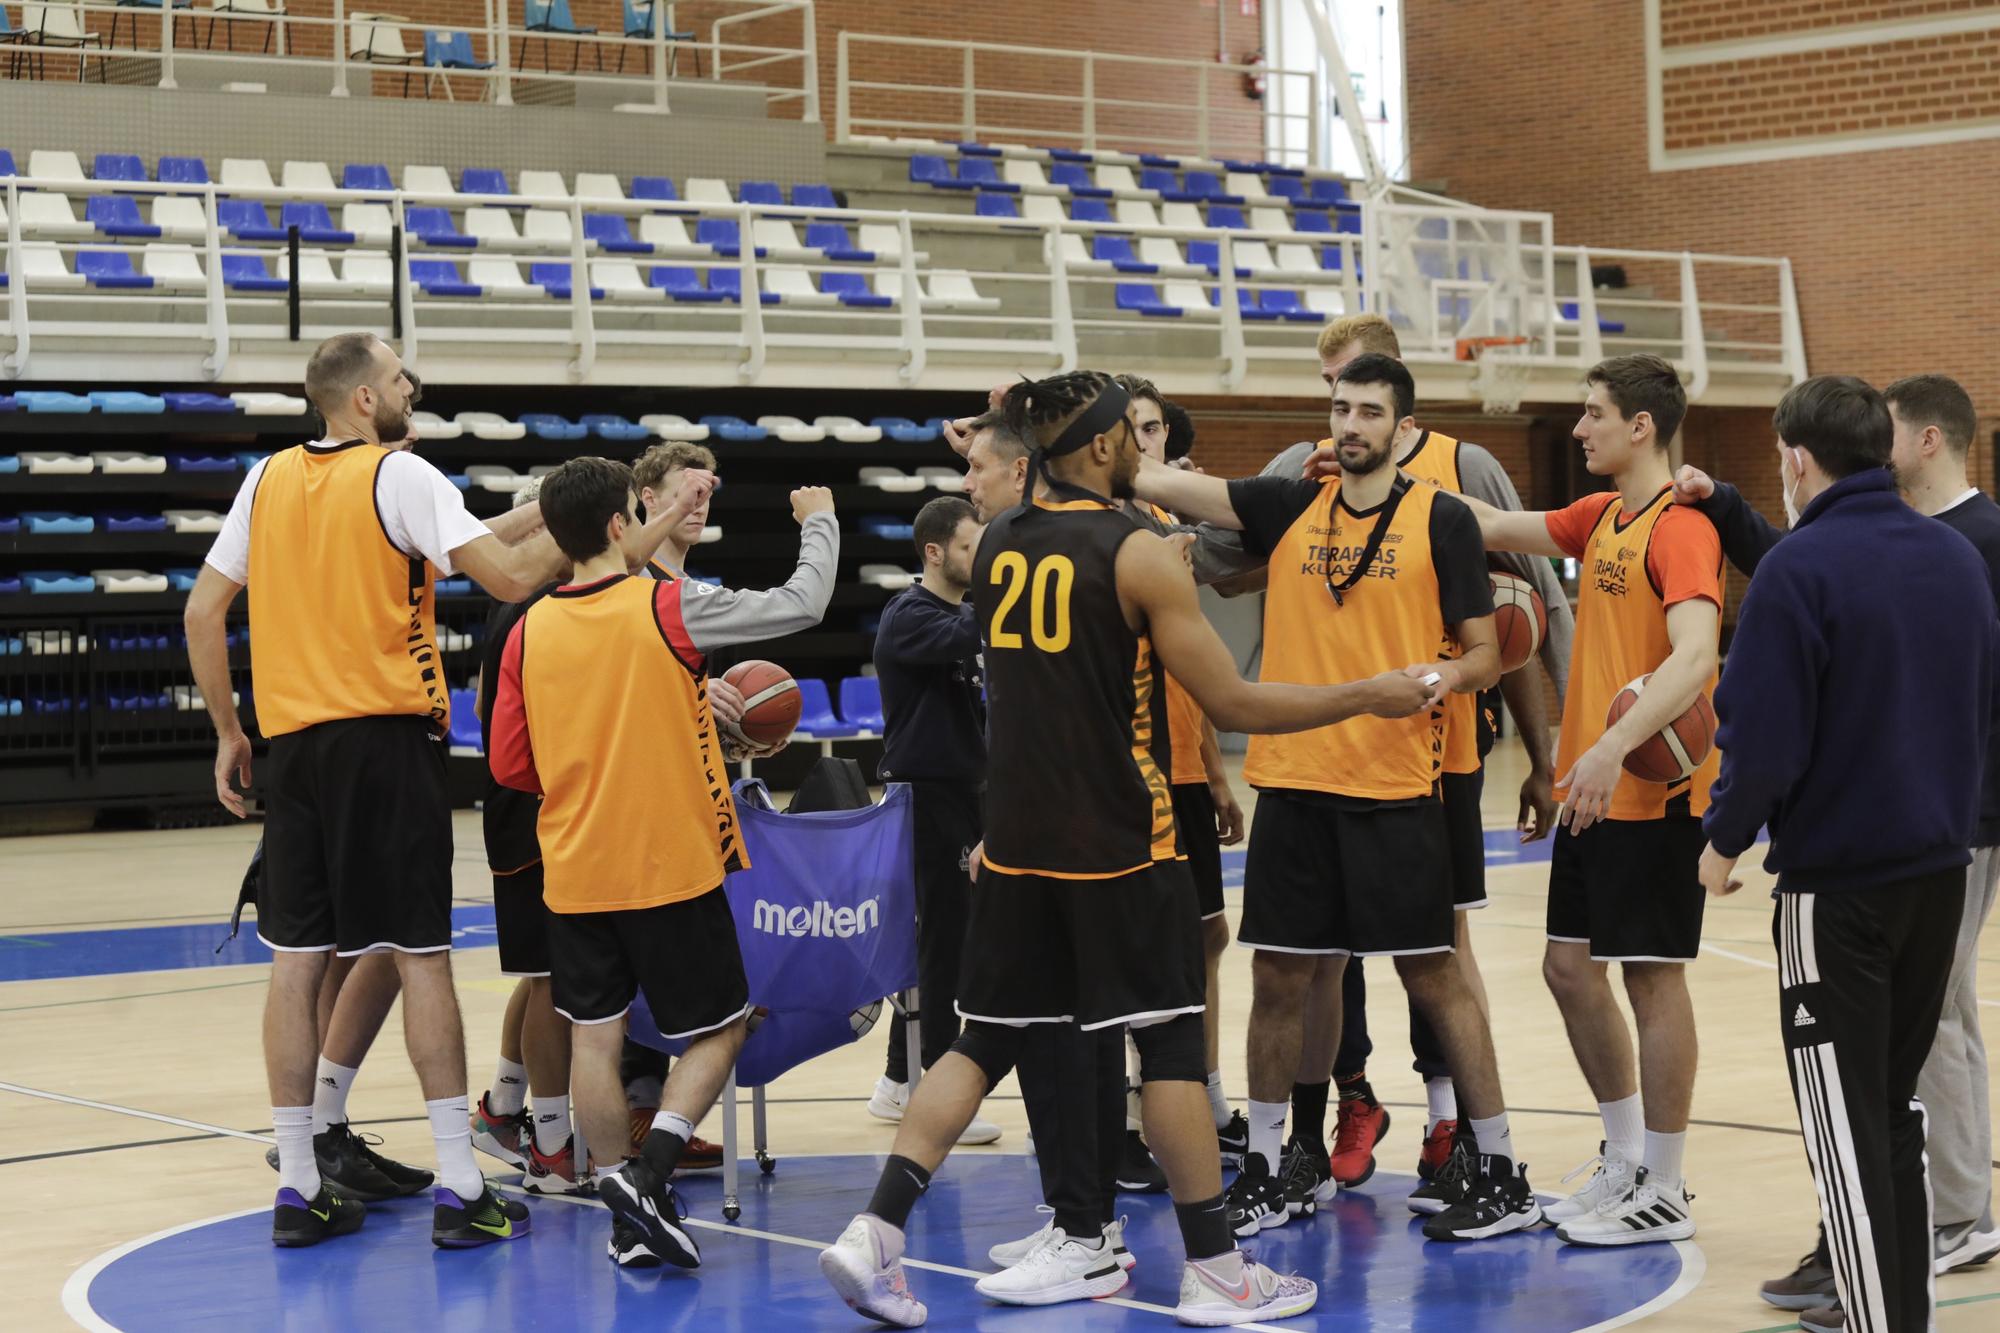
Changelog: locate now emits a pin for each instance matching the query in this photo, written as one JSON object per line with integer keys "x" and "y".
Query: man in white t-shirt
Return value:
{"x": 340, "y": 542}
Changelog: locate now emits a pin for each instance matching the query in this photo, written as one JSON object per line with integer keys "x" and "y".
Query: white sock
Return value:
{"x": 1495, "y": 1138}
{"x": 1624, "y": 1128}
{"x": 451, "y": 1128}
{"x": 675, "y": 1123}
{"x": 551, "y": 1124}
{"x": 1663, "y": 1158}
{"x": 330, "y": 1087}
{"x": 1133, "y": 1120}
{"x": 1267, "y": 1130}
{"x": 1218, "y": 1105}
{"x": 297, "y": 1169}
{"x": 1443, "y": 1100}
{"x": 510, "y": 1089}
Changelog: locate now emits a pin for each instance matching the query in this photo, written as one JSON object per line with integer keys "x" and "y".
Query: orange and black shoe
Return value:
{"x": 460, "y": 1225}
{"x": 1360, "y": 1124}
{"x": 698, "y": 1158}
{"x": 1437, "y": 1148}
{"x": 504, "y": 1138}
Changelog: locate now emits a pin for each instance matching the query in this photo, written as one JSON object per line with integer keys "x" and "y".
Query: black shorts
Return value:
{"x": 1194, "y": 812}
{"x": 1630, "y": 889}
{"x": 1090, "y": 951}
{"x": 1468, "y": 837}
{"x": 357, "y": 839}
{"x": 1329, "y": 874}
{"x": 521, "y": 920}
{"x": 682, "y": 955}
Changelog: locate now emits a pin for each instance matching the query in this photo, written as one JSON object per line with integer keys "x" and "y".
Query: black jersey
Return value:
{"x": 1078, "y": 754}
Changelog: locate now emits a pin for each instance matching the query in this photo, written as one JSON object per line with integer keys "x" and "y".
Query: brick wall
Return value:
{"x": 1687, "y": 22}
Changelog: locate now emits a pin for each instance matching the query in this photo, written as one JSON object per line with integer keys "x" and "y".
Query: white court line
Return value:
{"x": 1772, "y": 967}
{"x": 135, "y": 1111}
{"x": 1694, "y": 1267}
{"x": 76, "y": 1291}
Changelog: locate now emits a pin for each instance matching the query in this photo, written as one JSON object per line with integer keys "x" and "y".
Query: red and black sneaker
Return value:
{"x": 699, "y": 1157}
{"x": 1437, "y": 1148}
{"x": 1360, "y": 1124}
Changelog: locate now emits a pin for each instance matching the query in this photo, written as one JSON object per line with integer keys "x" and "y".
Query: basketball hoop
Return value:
{"x": 1499, "y": 375}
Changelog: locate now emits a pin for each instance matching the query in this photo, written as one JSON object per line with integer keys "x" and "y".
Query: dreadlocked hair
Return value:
{"x": 1039, "y": 410}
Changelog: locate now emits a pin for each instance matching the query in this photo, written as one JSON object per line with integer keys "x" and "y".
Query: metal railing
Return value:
{"x": 1021, "y": 293}
{"x": 928, "y": 87}
{"x": 349, "y": 40}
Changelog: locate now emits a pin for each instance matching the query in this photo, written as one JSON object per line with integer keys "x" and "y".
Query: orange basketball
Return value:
{"x": 770, "y": 700}
{"x": 1678, "y": 749}
{"x": 1520, "y": 620}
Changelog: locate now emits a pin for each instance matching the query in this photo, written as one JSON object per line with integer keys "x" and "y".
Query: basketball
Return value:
{"x": 1679, "y": 748}
{"x": 863, "y": 1020}
{"x": 1520, "y": 620}
{"x": 770, "y": 700}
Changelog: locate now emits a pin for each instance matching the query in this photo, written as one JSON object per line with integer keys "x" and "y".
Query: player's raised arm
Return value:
{"x": 1196, "y": 498}
{"x": 1159, "y": 598}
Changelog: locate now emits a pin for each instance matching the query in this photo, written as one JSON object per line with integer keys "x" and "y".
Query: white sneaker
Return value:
{"x": 1114, "y": 1236}
{"x": 979, "y": 1131}
{"x": 1963, "y": 1247}
{"x": 1645, "y": 1213}
{"x": 1059, "y": 1269}
{"x": 889, "y": 1100}
{"x": 1611, "y": 1179}
{"x": 1210, "y": 1299}
{"x": 1014, "y": 1251}
{"x": 865, "y": 1268}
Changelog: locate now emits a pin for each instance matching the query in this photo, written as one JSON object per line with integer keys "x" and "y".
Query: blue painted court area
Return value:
{"x": 1375, "y": 1269}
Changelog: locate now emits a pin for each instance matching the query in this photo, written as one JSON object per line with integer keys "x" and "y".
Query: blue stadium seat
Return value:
{"x": 978, "y": 150}
{"x": 452, "y": 50}
{"x": 110, "y": 268}
{"x": 1246, "y": 305}
{"x": 1571, "y": 310}
{"x": 183, "y": 171}
{"x": 118, "y": 167}
{"x": 929, "y": 169}
{"x": 202, "y": 462}
{"x": 1069, "y": 155}
{"x": 852, "y": 289}
{"x": 128, "y": 402}
{"x": 1207, "y": 185}
{"x": 549, "y": 426}
{"x": 656, "y": 189}
{"x": 246, "y": 220}
{"x": 1286, "y": 187}
{"x": 1141, "y": 297}
{"x": 816, "y": 711}
{"x": 1157, "y": 160}
{"x": 861, "y": 702}
{"x": 483, "y": 180}
{"x": 199, "y": 402}
{"x": 814, "y": 196}
{"x": 365, "y": 176}
{"x": 722, "y": 236}
{"x": 832, "y": 240}
{"x": 1209, "y": 255}
{"x": 1329, "y": 258}
{"x": 991, "y": 205}
{"x": 555, "y": 280}
{"x": 51, "y": 400}
{"x": 1158, "y": 178}
{"x": 734, "y": 428}
{"x": 1089, "y": 210}
{"x": 613, "y": 234}
{"x": 56, "y": 523}
{"x": 117, "y": 215}
{"x": 609, "y": 426}
{"x": 439, "y": 277}
{"x": 729, "y": 281}
{"x": 760, "y": 192}
{"x": 126, "y": 521}
{"x": 984, "y": 173}
{"x": 246, "y": 273}
{"x": 1118, "y": 249}
{"x": 903, "y": 430}
{"x": 1311, "y": 220}
{"x": 1226, "y": 215}
{"x": 1075, "y": 177}
{"x": 314, "y": 223}
{"x": 433, "y": 226}
{"x": 683, "y": 284}
{"x": 1347, "y": 221}
{"x": 7, "y": 163}
{"x": 1288, "y": 306}
{"x": 1326, "y": 191}
{"x": 885, "y": 527}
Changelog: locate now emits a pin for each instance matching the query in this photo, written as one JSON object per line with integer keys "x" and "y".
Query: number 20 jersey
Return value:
{"x": 1078, "y": 748}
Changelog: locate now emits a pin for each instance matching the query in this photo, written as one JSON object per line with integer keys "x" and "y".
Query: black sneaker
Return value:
{"x": 627, "y": 1246}
{"x": 1138, "y": 1173}
{"x": 351, "y": 1166}
{"x": 637, "y": 1196}
{"x": 1808, "y": 1287}
{"x": 1449, "y": 1186}
{"x": 296, "y": 1223}
{"x": 1256, "y": 1199}
{"x": 460, "y": 1225}
{"x": 1828, "y": 1319}
{"x": 1498, "y": 1201}
{"x": 1234, "y": 1140}
{"x": 1307, "y": 1174}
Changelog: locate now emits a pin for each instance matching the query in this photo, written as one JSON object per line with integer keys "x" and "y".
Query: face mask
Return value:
{"x": 1791, "y": 503}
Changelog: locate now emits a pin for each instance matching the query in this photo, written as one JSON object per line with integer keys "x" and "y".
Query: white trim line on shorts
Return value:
{"x": 1569, "y": 939}
{"x": 384, "y": 946}
{"x": 295, "y": 948}
{"x": 591, "y": 1022}
{"x": 1406, "y": 953}
{"x": 1471, "y": 906}
{"x": 1242, "y": 943}
{"x": 1009, "y": 1022}
{"x": 1146, "y": 1019}
{"x": 529, "y": 976}
{"x": 1210, "y": 916}
{"x": 1636, "y": 958}
{"x": 712, "y": 1027}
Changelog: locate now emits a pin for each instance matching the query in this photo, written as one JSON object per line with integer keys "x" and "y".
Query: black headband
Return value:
{"x": 1093, "y": 421}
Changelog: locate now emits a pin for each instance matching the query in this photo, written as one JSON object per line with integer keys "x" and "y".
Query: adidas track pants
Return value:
{"x": 1861, "y": 983}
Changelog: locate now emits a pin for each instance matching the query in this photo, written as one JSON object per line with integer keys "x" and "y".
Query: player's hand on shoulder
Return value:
{"x": 1399, "y": 694}
{"x": 810, "y": 500}
{"x": 1182, "y": 544}
{"x": 1692, "y": 485}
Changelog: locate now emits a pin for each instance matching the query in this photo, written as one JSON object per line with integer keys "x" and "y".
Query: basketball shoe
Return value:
{"x": 457, "y": 1224}
{"x": 1359, "y": 1124}
{"x": 362, "y": 1175}
{"x": 636, "y": 1194}
{"x": 699, "y": 1157}
{"x": 890, "y": 1097}
{"x": 555, "y": 1173}
{"x": 1962, "y": 1247}
{"x": 501, "y": 1136}
{"x": 627, "y": 1246}
{"x": 1009, "y": 1253}
{"x": 865, "y": 1269}
{"x": 1449, "y": 1185}
{"x": 1497, "y": 1201}
{"x": 1828, "y": 1319}
{"x": 1061, "y": 1268}
{"x": 1645, "y": 1212}
{"x": 1256, "y": 1198}
{"x": 1810, "y": 1286}
{"x": 295, "y": 1223}
{"x": 1611, "y": 1178}
{"x": 1308, "y": 1177}
{"x": 1234, "y": 1140}
{"x": 1138, "y": 1173}
{"x": 1437, "y": 1147}
{"x": 1233, "y": 1289}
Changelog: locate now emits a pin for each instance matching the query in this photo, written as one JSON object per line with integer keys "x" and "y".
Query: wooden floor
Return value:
{"x": 174, "y": 1057}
